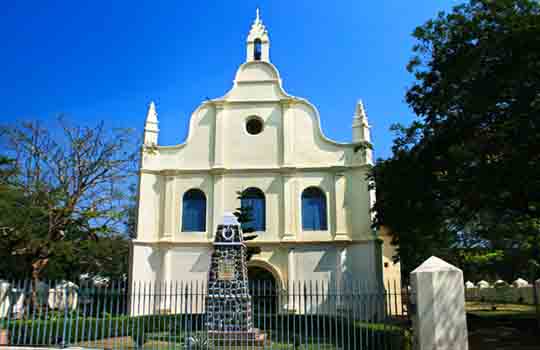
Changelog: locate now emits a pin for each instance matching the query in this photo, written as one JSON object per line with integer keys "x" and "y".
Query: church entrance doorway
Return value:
{"x": 263, "y": 290}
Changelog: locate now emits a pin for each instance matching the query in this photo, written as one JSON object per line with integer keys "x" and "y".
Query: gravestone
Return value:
{"x": 228, "y": 303}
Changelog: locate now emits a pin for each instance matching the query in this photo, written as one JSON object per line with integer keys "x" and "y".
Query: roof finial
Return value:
{"x": 359, "y": 111}
{"x": 151, "y": 129}
{"x": 151, "y": 115}
{"x": 257, "y": 40}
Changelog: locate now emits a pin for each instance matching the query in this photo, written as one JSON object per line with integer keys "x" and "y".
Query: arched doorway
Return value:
{"x": 263, "y": 289}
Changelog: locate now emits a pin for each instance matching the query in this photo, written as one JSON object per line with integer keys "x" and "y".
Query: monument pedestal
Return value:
{"x": 228, "y": 303}
{"x": 238, "y": 338}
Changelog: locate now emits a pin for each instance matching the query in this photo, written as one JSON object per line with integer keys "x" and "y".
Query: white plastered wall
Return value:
{"x": 168, "y": 278}
{"x": 220, "y": 158}
{"x": 149, "y": 209}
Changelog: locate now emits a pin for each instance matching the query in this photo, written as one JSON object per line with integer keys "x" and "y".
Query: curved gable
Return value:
{"x": 257, "y": 71}
{"x": 291, "y": 132}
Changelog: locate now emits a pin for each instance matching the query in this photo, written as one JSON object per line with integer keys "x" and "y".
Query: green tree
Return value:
{"x": 244, "y": 215}
{"x": 66, "y": 189}
{"x": 467, "y": 171}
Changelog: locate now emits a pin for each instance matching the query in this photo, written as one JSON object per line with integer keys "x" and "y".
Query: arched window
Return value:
{"x": 257, "y": 50}
{"x": 314, "y": 210}
{"x": 254, "y": 198}
{"x": 194, "y": 211}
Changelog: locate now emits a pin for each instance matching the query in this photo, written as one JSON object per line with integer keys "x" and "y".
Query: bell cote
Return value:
{"x": 258, "y": 44}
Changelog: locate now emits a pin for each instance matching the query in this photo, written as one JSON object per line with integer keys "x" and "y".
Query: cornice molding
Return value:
{"x": 339, "y": 169}
{"x": 282, "y": 243}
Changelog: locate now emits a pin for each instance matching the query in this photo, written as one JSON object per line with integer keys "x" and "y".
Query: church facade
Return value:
{"x": 309, "y": 195}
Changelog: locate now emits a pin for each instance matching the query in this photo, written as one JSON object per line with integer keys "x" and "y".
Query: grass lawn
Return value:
{"x": 502, "y": 310}
{"x": 508, "y": 326}
{"x": 278, "y": 342}
{"x": 127, "y": 343}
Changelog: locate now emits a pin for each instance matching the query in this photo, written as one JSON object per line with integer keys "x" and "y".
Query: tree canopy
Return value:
{"x": 466, "y": 172}
{"x": 63, "y": 199}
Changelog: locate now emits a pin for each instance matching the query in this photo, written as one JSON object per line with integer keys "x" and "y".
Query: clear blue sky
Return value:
{"x": 105, "y": 60}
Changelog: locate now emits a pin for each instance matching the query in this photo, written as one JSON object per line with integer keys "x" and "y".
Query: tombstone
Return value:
{"x": 228, "y": 303}
{"x": 64, "y": 295}
{"x": 101, "y": 282}
{"x": 520, "y": 283}
{"x": 439, "y": 317}
{"x": 5, "y": 305}
{"x": 500, "y": 284}
{"x": 18, "y": 295}
{"x": 469, "y": 285}
{"x": 5, "y": 302}
{"x": 483, "y": 284}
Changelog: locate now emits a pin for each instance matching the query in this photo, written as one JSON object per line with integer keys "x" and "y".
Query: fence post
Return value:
{"x": 438, "y": 294}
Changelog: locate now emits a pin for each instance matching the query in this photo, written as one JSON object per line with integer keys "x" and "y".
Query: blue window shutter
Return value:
{"x": 322, "y": 212}
{"x": 258, "y": 214}
{"x": 254, "y": 198}
{"x": 314, "y": 210}
{"x": 194, "y": 211}
{"x": 307, "y": 222}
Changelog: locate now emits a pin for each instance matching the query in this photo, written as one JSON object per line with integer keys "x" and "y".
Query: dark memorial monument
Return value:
{"x": 228, "y": 303}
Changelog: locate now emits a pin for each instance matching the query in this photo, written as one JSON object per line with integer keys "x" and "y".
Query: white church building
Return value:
{"x": 310, "y": 198}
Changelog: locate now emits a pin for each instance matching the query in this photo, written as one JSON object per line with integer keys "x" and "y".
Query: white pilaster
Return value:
{"x": 219, "y": 193}
{"x": 287, "y": 113}
{"x": 289, "y": 208}
{"x": 210, "y": 209}
{"x": 168, "y": 210}
{"x": 440, "y": 321}
{"x": 341, "y": 210}
{"x": 219, "y": 137}
{"x": 291, "y": 278}
{"x": 341, "y": 261}
{"x": 162, "y": 206}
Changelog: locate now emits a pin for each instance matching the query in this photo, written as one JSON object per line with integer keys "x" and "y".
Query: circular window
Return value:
{"x": 254, "y": 125}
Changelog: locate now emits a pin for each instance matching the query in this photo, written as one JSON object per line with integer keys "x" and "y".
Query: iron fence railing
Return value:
{"x": 302, "y": 315}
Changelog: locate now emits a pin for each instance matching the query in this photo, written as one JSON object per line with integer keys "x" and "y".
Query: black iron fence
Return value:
{"x": 302, "y": 315}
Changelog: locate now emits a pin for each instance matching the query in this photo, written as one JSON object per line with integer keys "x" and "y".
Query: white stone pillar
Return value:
{"x": 287, "y": 113}
{"x": 438, "y": 295}
{"x": 163, "y": 179}
{"x": 289, "y": 208}
{"x": 169, "y": 206}
{"x": 341, "y": 210}
{"x": 291, "y": 276}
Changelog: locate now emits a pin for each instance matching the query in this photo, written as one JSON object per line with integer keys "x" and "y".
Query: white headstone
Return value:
{"x": 439, "y": 295}
{"x": 500, "y": 283}
{"x": 520, "y": 283}
{"x": 483, "y": 284}
{"x": 66, "y": 294}
{"x": 5, "y": 301}
{"x": 100, "y": 281}
{"x": 469, "y": 285}
{"x": 18, "y": 301}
